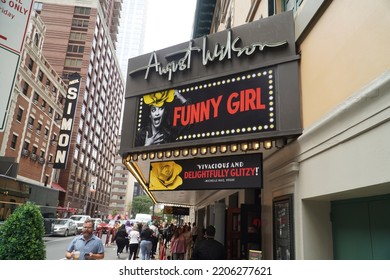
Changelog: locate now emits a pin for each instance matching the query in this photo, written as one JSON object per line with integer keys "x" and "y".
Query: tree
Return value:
{"x": 142, "y": 204}
{"x": 21, "y": 236}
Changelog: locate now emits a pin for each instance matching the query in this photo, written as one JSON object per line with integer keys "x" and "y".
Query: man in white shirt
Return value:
{"x": 154, "y": 228}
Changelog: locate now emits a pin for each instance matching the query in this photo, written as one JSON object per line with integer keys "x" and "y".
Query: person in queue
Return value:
{"x": 208, "y": 248}
{"x": 146, "y": 242}
{"x": 88, "y": 245}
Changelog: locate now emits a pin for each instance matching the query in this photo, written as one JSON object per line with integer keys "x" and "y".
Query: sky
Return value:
{"x": 169, "y": 22}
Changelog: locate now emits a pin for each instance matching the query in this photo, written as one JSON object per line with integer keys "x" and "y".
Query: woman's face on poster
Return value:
{"x": 156, "y": 115}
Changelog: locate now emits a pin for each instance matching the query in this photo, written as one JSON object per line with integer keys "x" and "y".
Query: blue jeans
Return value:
{"x": 146, "y": 248}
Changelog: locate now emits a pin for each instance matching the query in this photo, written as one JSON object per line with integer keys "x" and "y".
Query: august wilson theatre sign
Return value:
{"x": 238, "y": 84}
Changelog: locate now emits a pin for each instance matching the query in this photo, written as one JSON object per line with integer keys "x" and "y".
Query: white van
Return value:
{"x": 79, "y": 220}
{"x": 143, "y": 218}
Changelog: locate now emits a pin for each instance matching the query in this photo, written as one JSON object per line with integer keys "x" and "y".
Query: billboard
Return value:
{"x": 233, "y": 105}
{"x": 228, "y": 172}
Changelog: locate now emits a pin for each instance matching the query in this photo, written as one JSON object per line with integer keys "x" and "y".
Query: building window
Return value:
{"x": 30, "y": 64}
{"x": 82, "y": 10}
{"x": 25, "y": 145}
{"x": 14, "y": 140}
{"x": 19, "y": 115}
{"x": 54, "y": 91}
{"x": 71, "y": 62}
{"x": 34, "y": 153}
{"x": 40, "y": 75}
{"x": 43, "y": 105}
{"x": 36, "y": 98}
{"x": 25, "y": 88}
{"x": 80, "y": 23}
{"x": 38, "y": 7}
{"x": 75, "y": 48}
{"x": 46, "y": 133}
{"x": 36, "y": 40}
{"x": 50, "y": 111}
{"x": 48, "y": 83}
{"x": 78, "y": 36}
{"x": 39, "y": 128}
{"x": 46, "y": 180}
{"x": 31, "y": 122}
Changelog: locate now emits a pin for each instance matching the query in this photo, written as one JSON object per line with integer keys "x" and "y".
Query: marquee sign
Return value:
{"x": 236, "y": 85}
{"x": 176, "y": 210}
{"x": 234, "y": 105}
{"x": 67, "y": 121}
{"x": 229, "y": 172}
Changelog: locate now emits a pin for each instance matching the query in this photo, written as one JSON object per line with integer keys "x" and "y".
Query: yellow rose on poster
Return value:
{"x": 165, "y": 176}
{"x": 159, "y": 98}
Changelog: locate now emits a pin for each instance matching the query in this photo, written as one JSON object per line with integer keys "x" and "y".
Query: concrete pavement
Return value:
{"x": 110, "y": 253}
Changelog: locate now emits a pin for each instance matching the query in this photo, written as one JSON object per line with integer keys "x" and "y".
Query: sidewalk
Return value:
{"x": 110, "y": 253}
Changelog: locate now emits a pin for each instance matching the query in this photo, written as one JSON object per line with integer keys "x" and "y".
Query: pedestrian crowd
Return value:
{"x": 170, "y": 241}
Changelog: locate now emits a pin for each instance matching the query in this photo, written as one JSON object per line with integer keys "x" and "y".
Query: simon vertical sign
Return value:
{"x": 67, "y": 121}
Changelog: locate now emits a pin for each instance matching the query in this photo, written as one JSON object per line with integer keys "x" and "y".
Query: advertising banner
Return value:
{"x": 235, "y": 105}
{"x": 230, "y": 172}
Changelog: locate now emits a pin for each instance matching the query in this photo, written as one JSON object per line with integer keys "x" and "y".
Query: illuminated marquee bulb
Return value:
{"x": 267, "y": 145}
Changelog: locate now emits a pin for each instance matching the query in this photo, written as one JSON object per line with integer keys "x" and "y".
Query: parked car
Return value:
{"x": 79, "y": 220}
{"x": 64, "y": 227}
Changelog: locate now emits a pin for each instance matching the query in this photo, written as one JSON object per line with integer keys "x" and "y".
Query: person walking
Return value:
{"x": 121, "y": 239}
{"x": 178, "y": 244}
{"x": 187, "y": 235}
{"x": 146, "y": 242}
{"x": 154, "y": 228}
{"x": 87, "y": 245}
{"x": 194, "y": 233}
{"x": 128, "y": 227}
{"x": 208, "y": 248}
{"x": 134, "y": 238}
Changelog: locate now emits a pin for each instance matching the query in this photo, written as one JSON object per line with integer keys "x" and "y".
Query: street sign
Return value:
{"x": 14, "y": 18}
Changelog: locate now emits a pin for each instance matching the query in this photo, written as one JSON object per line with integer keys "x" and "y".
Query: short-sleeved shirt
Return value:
{"x": 93, "y": 245}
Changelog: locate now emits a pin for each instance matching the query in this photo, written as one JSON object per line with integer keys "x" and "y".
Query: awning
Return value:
{"x": 57, "y": 187}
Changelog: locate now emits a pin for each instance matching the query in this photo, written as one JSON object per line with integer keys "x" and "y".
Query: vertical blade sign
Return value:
{"x": 67, "y": 122}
